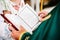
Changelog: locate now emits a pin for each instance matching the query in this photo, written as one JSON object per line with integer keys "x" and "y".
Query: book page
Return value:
{"x": 26, "y": 17}
{"x": 29, "y": 16}
{"x": 17, "y": 21}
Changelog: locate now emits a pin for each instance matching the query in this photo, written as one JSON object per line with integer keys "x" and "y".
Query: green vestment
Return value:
{"x": 49, "y": 29}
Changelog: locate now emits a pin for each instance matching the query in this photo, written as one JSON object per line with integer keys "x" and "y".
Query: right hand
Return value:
{"x": 42, "y": 15}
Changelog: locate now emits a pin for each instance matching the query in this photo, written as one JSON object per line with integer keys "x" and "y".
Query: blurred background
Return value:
{"x": 39, "y": 5}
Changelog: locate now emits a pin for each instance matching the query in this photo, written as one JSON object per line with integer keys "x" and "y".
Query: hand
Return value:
{"x": 42, "y": 15}
{"x": 16, "y": 34}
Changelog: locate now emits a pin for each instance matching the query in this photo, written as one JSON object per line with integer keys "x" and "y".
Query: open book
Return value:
{"x": 26, "y": 17}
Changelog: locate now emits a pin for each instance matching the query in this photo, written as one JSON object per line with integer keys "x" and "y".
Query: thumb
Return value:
{"x": 22, "y": 28}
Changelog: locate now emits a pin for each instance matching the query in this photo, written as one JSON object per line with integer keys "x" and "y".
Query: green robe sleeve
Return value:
{"x": 26, "y": 36}
{"x": 49, "y": 29}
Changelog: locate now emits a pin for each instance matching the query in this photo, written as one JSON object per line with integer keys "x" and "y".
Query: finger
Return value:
{"x": 42, "y": 13}
{"x": 47, "y": 17}
{"x": 40, "y": 19}
{"x": 39, "y": 13}
{"x": 9, "y": 24}
{"x": 12, "y": 35}
{"x": 45, "y": 12}
{"x": 11, "y": 28}
{"x": 21, "y": 28}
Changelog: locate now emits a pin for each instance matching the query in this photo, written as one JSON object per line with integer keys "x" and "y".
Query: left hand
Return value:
{"x": 16, "y": 34}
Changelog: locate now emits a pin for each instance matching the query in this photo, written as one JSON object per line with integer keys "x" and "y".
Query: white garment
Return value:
{"x": 1, "y": 7}
{"x": 1, "y": 19}
{"x": 49, "y": 9}
{"x": 4, "y": 31}
{"x": 6, "y": 5}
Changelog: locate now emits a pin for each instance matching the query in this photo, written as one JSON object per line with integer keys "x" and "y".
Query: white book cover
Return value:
{"x": 26, "y": 17}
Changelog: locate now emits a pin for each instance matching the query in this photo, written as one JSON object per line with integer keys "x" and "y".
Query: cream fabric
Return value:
{"x": 6, "y": 5}
{"x": 4, "y": 31}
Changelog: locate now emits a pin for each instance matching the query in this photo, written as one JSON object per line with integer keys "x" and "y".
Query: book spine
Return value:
{"x": 9, "y": 22}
